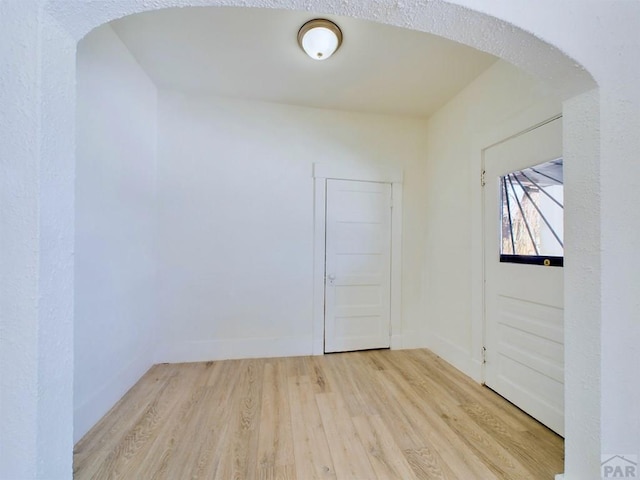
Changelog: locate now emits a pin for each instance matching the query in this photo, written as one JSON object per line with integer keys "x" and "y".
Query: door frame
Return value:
{"x": 537, "y": 289}
{"x": 525, "y": 121}
{"x": 380, "y": 174}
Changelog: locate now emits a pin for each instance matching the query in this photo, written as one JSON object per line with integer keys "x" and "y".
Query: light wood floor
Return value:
{"x": 364, "y": 415}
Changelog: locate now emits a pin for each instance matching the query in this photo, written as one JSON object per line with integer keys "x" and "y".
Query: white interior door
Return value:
{"x": 524, "y": 327}
{"x": 358, "y": 266}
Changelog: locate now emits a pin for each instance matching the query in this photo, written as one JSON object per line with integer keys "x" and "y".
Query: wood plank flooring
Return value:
{"x": 382, "y": 414}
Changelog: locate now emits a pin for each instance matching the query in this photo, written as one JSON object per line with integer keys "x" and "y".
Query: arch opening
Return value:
{"x": 444, "y": 19}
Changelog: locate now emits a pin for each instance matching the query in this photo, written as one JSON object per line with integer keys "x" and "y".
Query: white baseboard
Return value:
{"x": 560, "y": 476}
{"x": 405, "y": 341}
{"x": 234, "y": 348}
{"x": 318, "y": 346}
{"x": 456, "y": 356}
{"x": 87, "y": 414}
{"x": 476, "y": 371}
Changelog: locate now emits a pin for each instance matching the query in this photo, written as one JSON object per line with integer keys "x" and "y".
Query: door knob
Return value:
{"x": 331, "y": 277}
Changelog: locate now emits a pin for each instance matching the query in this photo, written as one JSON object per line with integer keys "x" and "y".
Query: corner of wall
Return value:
{"x": 499, "y": 103}
{"x": 93, "y": 408}
{"x": 115, "y": 258}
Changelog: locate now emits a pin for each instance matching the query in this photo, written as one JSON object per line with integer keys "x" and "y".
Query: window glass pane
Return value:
{"x": 532, "y": 211}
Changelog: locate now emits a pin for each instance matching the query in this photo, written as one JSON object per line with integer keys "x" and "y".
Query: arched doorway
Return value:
{"x": 67, "y": 22}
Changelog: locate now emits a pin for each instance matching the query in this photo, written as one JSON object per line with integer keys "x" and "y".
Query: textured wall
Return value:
{"x": 36, "y": 218}
{"x": 18, "y": 252}
{"x": 55, "y": 252}
{"x": 582, "y": 287}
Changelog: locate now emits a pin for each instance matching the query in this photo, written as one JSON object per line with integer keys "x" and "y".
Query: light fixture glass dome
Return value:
{"x": 320, "y": 38}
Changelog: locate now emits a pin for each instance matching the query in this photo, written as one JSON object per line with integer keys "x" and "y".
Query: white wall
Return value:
{"x": 19, "y": 267}
{"x": 455, "y": 135}
{"x": 582, "y": 399}
{"x": 38, "y": 40}
{"x": 115, "y": 304}
{"x": 236, "y": 218}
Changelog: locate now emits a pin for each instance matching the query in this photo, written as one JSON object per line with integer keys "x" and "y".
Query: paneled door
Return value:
{"x": 357, "y": 265}
{"x": 524, "y": 309}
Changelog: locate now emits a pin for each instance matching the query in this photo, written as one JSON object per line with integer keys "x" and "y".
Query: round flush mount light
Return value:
{"x": 320, "y": 38}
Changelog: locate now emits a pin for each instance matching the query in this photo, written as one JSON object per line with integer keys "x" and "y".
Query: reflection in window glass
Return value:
{"x": 532, "y": 211}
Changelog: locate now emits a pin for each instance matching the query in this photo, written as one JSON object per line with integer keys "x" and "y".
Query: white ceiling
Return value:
{"x": 253, "y": 54}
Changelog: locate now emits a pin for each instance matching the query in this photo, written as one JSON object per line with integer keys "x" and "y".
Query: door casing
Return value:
{"x": 347, "y": 274}
{"x": 550, "y": 296}
{"x": 394, "y": 176}
{"x": 471, "y": 363}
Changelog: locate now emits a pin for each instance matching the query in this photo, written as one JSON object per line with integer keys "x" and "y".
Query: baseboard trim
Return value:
{"x": 100, "y": 402}
{"x": 234, "y": 348}
{"x": 318, "y": 346}
{"x": 456, "y": 356}
{"x": 476, "y": 371}
{"x": 405, "y": 341}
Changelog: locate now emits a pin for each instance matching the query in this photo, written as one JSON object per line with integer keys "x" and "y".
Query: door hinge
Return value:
{"x": 484, "y": 355}
{"x": 482, "y": 178}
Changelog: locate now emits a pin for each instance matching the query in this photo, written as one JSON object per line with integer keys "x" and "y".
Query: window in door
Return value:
{"x": 532, "y": 215}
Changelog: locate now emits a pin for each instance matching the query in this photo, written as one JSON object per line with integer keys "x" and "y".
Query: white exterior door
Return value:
{"x": 524, "y": 327}
{"x": 357, "y": 265}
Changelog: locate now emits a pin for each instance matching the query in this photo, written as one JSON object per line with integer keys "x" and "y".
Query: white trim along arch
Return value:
{"x": 37, "y": 415}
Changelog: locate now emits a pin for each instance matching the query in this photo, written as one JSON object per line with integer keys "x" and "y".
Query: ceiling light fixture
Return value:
{"x": 320, "y": 38}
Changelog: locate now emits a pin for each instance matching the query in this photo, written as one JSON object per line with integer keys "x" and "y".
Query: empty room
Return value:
{"x": 238, "y": 198}
{"x": 320, "y": 242}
